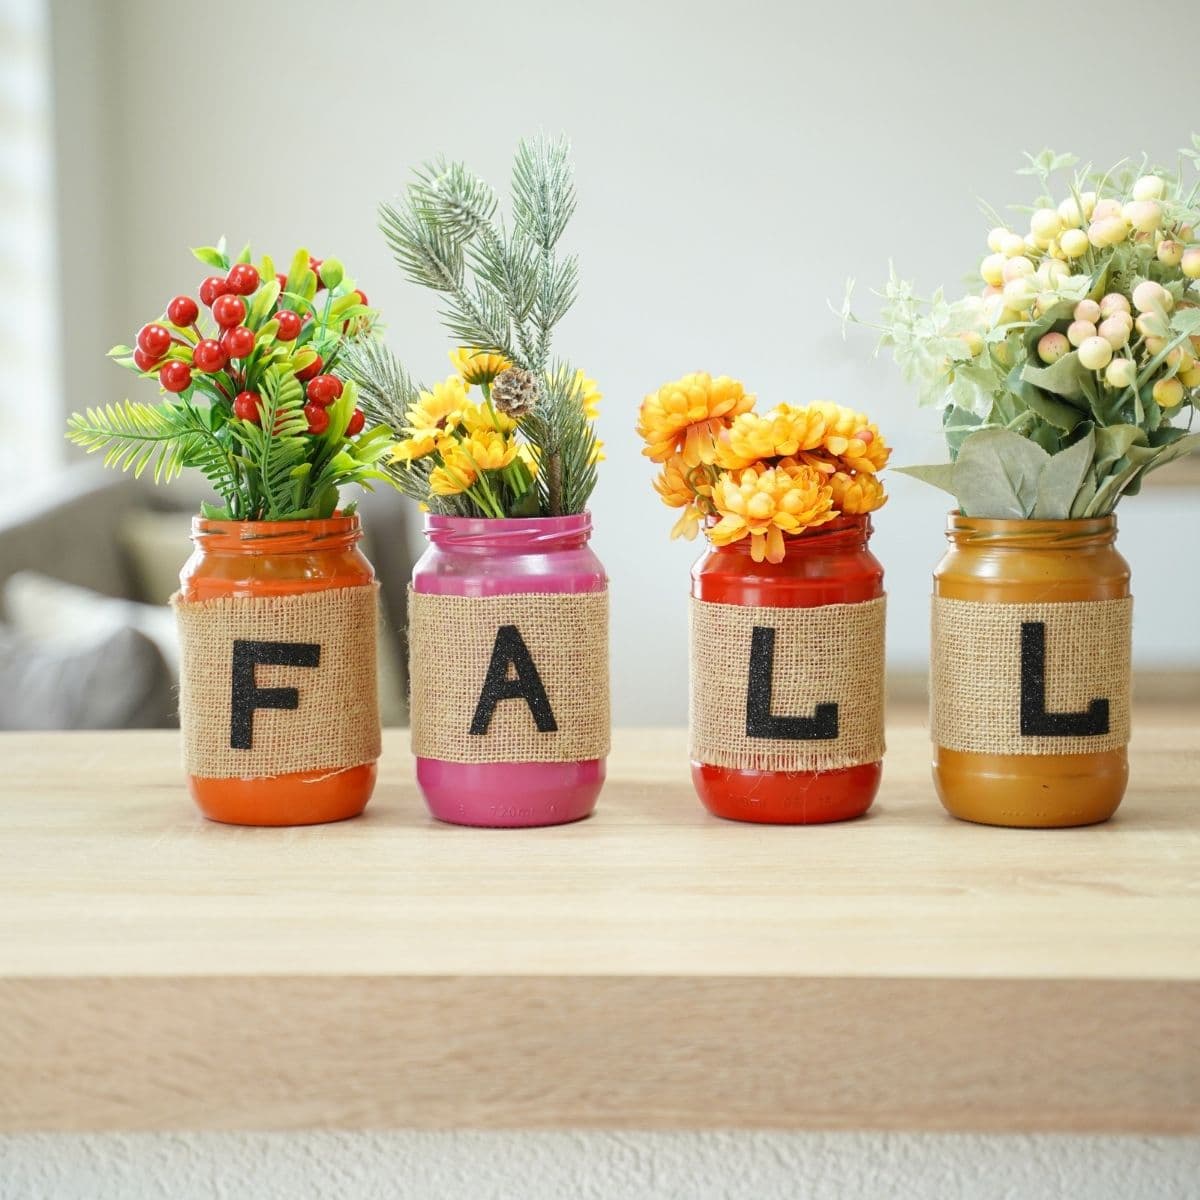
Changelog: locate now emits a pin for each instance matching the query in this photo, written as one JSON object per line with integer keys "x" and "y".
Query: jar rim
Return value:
{"x": 1026, "y": 533}
{"x": 571, "y": 523}
{"x": 508, "y": 533}
{"x": 956, "y": 520}
{"x": 276, "y": 537}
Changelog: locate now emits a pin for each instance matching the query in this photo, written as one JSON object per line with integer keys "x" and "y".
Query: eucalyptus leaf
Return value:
{"x": 1061, "y": 479}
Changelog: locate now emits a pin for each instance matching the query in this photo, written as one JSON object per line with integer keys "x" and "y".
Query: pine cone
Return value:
{"x": 515, "y": 392}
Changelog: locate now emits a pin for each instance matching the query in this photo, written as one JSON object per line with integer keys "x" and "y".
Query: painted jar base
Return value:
{"x": 298, "y": 798}
{"x": 1031, "y": 791}
{"x": 787, "y": 797}
{"x": 510, "y": 795}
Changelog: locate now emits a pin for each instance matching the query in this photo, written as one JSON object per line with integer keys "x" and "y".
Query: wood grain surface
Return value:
{"x": 649, "y": 968}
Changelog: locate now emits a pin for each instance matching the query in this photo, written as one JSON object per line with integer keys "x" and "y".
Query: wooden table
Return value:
{"x": 649, "y": 968}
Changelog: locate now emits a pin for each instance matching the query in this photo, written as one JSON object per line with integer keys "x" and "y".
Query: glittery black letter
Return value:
{"x": 526, "y": 684}
{"x": 1035, "y": 720}
{"x": 760, "y": 723}
{"x": 247, "y": 695}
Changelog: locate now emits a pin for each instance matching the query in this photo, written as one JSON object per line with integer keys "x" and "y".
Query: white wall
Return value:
{"x": 596, "y": 1166}
{"x": 736, "y": 163}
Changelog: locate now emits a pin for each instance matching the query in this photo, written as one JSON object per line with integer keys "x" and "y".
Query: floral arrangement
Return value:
{"x": 525, "y": 444}
{"x": 767, "y": 476}
{"x": 255, "y": 396}
{"x": 1070, "y": 374}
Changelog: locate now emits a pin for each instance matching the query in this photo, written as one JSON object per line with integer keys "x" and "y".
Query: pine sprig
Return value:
{"x": 505, "y": 289}
{"x": 386, "y": 391}
{"x": 564, "y": 441}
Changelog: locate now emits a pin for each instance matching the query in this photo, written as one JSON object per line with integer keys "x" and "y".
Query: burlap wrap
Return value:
{"x": 451, "y": 642}
{"x": 827, "y": 655}
{"x": 335, "y": 724}
{"x": 975, "y": 690}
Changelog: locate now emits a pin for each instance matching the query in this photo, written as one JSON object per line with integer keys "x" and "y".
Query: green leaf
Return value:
{"x": 957, "y": 424}
{"x": 264, "y": 301}
{"x": 996, "y": 474}
{"x": 1085, "y": 495}
{"x": 1113, "y": 443}
{"x": 211, "y": 256}
{"x": 296, "y": 271}
{"x": 940, "y": 475}
{"x": 1058, "y": 413}
{"x": 1061, "y": 479}
{"x": 1067, "y": 377}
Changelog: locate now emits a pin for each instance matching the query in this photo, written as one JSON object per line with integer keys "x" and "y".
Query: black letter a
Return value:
{"x": 510, "y": 651}
{"x": 1035, "y": 720}
{"x": 760, "y": 723}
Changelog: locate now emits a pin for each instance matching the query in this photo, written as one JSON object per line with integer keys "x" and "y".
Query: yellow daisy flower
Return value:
{"x": 855, "y": 494}
{"x": 457, "y": 473}
{"x": 420, "y": 445}
{"x": 483, "y": 418}
{"x": 487, "y": 450}
{"x": 687, "y": 417}
{"x": 441, "y": 408}
{"x": 478, "y": 366}
{"x": 590, "y": 394}
{"x": 764, "y": 504}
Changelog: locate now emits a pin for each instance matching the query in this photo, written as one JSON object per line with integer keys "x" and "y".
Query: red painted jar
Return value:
{"x": 831, "y": 564}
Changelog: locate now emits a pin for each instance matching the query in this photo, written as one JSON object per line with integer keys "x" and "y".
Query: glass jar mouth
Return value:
{"x": 1028, "y": 533}
{"x": 508, "y": 533}
{"x": 276, "y": 537}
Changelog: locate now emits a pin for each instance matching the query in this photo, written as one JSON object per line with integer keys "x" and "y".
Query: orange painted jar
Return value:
{"x": 825, "y": 567}
{"x": 309, "y": 563}
{"x": 1031, "y": 661}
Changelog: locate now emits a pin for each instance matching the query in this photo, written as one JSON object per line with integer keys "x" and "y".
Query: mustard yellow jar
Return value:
{"x": 1030, "y": 671}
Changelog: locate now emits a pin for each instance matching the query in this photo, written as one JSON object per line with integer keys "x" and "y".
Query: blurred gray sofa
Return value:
{"x": 85, "y": 570}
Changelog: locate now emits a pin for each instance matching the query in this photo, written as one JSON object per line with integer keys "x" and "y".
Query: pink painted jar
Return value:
{"x": 480, "y": 557}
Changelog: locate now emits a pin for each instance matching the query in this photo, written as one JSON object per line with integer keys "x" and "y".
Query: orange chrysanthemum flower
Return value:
{"x": 783, "y": 432}
{"x": 678, "y": 487}
{"x": 764, "y": 503}
{"x": 851, "y": 437}
{"x": 856, "y": 494}
{"x": 687, "y": 416}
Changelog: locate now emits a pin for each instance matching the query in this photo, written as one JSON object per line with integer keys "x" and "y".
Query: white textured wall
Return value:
{"x": 736, "y": 163}
{"x": 595, "y": 1166}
